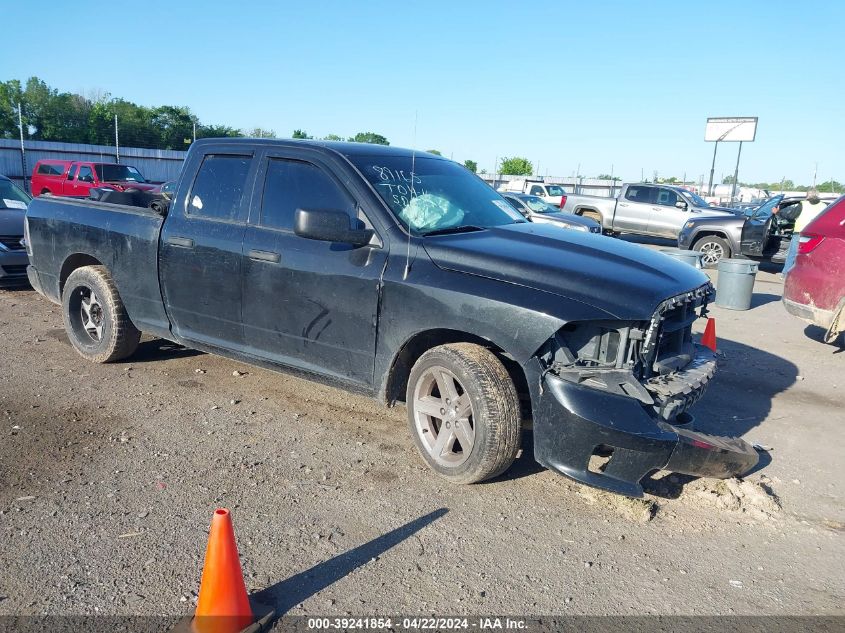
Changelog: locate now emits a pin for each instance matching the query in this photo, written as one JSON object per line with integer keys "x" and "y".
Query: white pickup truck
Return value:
{"x": 644, "y": 208}
{"x": 551, "y": 193}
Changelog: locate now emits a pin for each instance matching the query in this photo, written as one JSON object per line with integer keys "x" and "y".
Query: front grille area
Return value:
{"x": 12, "y": 242}
{"x": 14, "y": 269}
{"x": 668, "y": 344}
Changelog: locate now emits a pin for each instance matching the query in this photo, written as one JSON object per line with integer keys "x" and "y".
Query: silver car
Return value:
{"x": 537, "y": 210}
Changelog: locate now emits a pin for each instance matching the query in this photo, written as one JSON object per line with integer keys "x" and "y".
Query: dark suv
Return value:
{"x": 13, "y": 259}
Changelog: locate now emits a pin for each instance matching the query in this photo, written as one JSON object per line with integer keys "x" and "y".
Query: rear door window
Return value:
{"x": 537, "y": 190}
{"x": 51, "y": 169}
{"x": 219, "y": 187}
{"x": 293, "y": 184}
{"x": 642, "y": 195}
{"x": 70, "y": 171}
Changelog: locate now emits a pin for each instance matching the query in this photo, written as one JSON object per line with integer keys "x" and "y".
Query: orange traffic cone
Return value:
{"x": 708, "y": 339}
{"x": 223, "y": 606}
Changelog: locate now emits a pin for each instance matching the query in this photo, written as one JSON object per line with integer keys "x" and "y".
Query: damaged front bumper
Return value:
{"x": 574, "y": 422}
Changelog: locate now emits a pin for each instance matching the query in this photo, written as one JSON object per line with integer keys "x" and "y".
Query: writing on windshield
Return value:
{"x": 431, "y": 195}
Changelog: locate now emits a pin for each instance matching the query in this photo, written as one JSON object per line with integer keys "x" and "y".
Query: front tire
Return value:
{"x": 713, "y": 249}
{"x": 463, "y": 412}
{"x": 95, "y": 317}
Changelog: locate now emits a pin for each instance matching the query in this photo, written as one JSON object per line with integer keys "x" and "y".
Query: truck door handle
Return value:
{"x": 180, "y": 242}
{"x": 265, "y": 256}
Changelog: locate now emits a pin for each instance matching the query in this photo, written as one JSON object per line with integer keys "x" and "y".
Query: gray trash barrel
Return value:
{"x": 736, "y": 283}
{"x": 693, "y": 258}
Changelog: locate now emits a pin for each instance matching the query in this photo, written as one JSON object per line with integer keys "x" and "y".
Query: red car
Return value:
{"x": 77, "y": 178}
{"x": 815, "y": 287}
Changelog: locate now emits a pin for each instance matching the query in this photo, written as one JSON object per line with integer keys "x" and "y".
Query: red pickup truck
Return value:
{"x": 77, "y": 178}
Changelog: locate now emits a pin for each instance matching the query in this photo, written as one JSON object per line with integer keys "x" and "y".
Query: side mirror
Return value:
{"x": 681, "y": 205}
{"x": 329, "y": 225}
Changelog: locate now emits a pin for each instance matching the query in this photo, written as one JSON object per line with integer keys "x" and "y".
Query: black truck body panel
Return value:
{"x": 356, "y": 316}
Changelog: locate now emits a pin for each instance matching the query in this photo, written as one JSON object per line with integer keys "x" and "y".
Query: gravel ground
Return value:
{"x": 109, "y": 475}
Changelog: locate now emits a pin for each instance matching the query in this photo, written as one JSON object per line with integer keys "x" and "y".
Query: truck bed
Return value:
{"x": 64, "y": 228}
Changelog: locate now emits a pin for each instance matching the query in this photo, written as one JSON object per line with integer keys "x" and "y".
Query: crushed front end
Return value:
{"x": 613, "y": 398}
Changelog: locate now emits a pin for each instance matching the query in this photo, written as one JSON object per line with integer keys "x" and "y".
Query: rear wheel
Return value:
{"x": 463, "y": 412}
{"x": 713, "y": 249}
{"x": 593, "y": 215}
{"x": 95, "y": 318}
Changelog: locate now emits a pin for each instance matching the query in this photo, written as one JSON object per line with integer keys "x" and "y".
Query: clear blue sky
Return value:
{"x": 627, "y": 84}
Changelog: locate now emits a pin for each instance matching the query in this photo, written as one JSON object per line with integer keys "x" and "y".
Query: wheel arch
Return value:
{"x": 402, "y": 362}
{"x": 73, "y": 262}
{"x": 705, "y": 232}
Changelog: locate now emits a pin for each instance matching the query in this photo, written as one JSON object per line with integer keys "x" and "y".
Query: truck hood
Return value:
{"x": 11, "y": 221}
{"x": 720, "y": 211}
{"x": 624, "y": 280}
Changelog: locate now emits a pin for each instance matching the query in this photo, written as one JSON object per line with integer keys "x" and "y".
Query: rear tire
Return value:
{"x": 463, "y": 412}
{"x": 95, "y": 317}
{"x": 713, "y": 249}
{"x": 593, "y": 215}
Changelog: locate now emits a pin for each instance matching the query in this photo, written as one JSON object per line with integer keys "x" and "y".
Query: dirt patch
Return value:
{"x": 753, "y": 498}
{"x": 636, "y": 510}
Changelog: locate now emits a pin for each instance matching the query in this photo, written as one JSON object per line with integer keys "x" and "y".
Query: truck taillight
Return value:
{"x": 807, "y": 243}
{"x": 562, "y": 201}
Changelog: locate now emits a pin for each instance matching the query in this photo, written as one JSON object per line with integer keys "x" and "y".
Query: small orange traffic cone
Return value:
{"x": 223, "y": 605}
{"x": 708, "y": 339}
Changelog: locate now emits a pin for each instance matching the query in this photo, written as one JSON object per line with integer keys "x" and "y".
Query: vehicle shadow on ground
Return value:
{"x": 159, "y": 349}
{"x": 525, "y": 465}
{"x": 817, "y": 334}
{"x": 288, "y": 593}
{"x": 740, "y": 396}
{"x": 762, "y": 298}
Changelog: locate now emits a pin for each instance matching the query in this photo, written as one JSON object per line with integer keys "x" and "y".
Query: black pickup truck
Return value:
{"x": 403, "y": 275}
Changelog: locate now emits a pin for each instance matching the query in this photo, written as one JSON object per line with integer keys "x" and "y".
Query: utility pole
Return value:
{"x": 736, "y": 171}
{"x": 116, "y": 140}
{"x": 195, "y": 132}
{"x": 712, "y": 169}
{"x": 23, "y": 150}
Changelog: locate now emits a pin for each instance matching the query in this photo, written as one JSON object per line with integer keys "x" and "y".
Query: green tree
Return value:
{"x": 436, "y": 152}
{"x": 300, "y": 134}
{"x": 11, "y": 94}
{"x": 258, "y": 132}
{"x": 471, "y": 165}
{"x": 332, "y": 137}
{"x": 369, "y": 137}
{"x": 830, "y": 186}
{"x": 607, "y": 177}
{"x": 217, "y": 131}
{"x": 175, "y": 126}
{"x": 516, "y": 166}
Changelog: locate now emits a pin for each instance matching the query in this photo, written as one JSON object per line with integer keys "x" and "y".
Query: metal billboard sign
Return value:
{"x": 730, "y": 129}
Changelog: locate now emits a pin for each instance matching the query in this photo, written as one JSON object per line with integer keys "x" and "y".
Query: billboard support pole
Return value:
{"x": 712, "y": 169}
{"x": 736, "y": 171}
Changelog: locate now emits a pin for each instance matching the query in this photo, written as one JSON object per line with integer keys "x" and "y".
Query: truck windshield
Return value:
{"x": 11, "y": 197}
{"x": 538, "y": 205}
{"x": 435, "y": 195}
{"x": 697, "y": 201}
{"x": 118, "y": 173}
{"x": 554, "y": 190}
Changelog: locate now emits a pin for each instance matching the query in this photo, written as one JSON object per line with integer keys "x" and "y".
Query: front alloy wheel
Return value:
{"x": 463, "y": 412}
{"x": 443, "y": 417}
